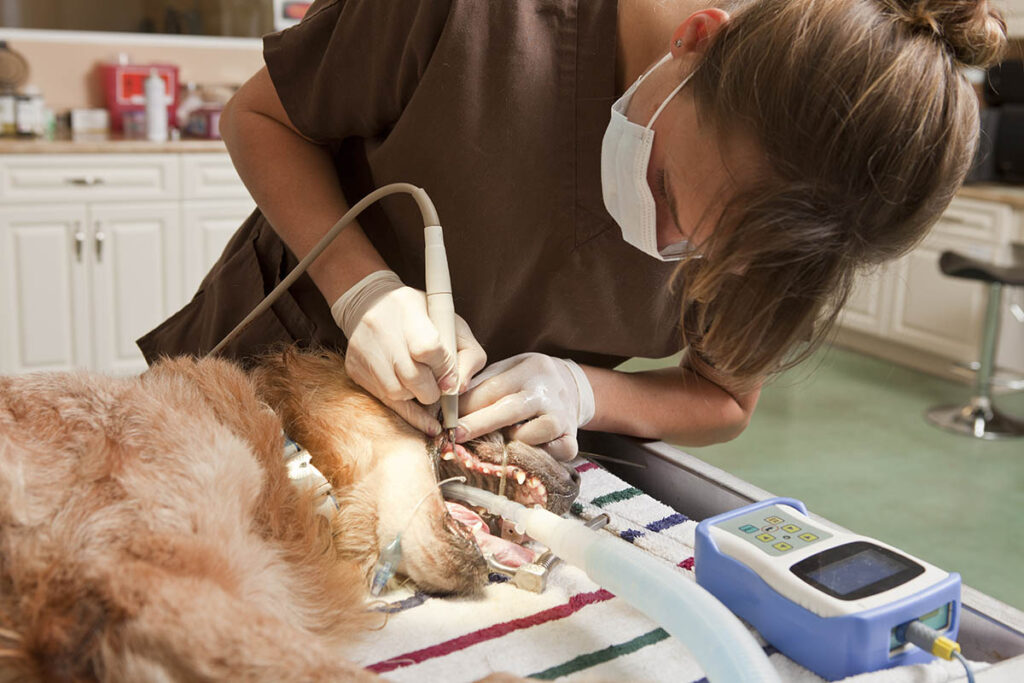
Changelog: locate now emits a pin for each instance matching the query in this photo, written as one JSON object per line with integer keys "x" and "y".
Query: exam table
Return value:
{"x": 990, "y": 631}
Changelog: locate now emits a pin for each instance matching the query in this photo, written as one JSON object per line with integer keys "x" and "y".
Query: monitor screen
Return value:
{"x": 856, "y": 570}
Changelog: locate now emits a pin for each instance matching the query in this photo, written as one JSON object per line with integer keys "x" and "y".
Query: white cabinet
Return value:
{"x": 216, "y": 203}
{"x": 208, "y": 227}
{"x": 911, "y": 312}
{"x": 1013, "y": 12}
{"x": 97, "y": 249}
{"x": 136, "y": 278}
{"x": 43, "y": 289}
{"x": 868, "y": 307}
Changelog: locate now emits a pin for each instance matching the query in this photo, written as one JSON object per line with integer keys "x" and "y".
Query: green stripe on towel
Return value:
{"x": 601, "y": 656}
{"x": 616, "y": 496}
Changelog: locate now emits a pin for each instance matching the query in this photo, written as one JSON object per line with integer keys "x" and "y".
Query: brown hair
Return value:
{"x": 867, "y": 126}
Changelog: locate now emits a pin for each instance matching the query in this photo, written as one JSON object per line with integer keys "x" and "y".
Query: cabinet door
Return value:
{"x": 136, "y": 252}
{"x": 867, "y": 309}
{"x": 208, "y": 225}
{"x": 43, "y": 289}
{"x": 933, "y": 311}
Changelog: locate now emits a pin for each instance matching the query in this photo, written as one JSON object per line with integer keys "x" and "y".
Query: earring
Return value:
{"x": 679, "y": 42}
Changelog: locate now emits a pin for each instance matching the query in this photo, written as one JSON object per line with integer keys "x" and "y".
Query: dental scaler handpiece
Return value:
{"x": 441, "y": 309}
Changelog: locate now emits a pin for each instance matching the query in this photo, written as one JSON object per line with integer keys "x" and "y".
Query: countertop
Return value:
{"x": 110, "y": 146}
{"x": 1006, "y": 194}
{"x": 1012, "y": 195}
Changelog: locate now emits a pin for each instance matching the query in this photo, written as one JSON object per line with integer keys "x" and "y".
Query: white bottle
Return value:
{"x": 156, "y": 108}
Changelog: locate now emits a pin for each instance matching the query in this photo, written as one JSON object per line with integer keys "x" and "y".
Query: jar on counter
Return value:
{"x": 8, "y": 118}
{"x": 28, "y": 113}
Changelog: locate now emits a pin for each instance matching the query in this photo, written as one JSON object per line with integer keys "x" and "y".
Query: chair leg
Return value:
{"x": 979, "y": 418}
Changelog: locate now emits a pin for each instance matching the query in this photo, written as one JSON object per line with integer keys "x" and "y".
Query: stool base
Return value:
{"x": 979, "y": 419}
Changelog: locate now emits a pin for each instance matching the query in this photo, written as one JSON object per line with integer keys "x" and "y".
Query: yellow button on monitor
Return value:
{"x": 791, "y": 528}
{"x": 765, "y": 537}
{"x": 808, "y": 537}
{"x": 783, "y": 546}
{"x": 774, "y": 520}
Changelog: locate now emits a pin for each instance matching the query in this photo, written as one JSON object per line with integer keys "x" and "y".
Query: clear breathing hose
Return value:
{"x": 722, "y": 645}
{"x": 429, "y": 218}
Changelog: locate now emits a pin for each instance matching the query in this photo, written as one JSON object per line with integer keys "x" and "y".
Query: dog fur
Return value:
{"x": 148, "y": 530}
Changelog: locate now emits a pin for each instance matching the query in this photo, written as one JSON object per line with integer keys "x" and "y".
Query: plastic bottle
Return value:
{"x": 190, "y": 100}
{"x": 8, "y": 118}
{"x": 28, "y": 111}
{"x": 156, "y": 107}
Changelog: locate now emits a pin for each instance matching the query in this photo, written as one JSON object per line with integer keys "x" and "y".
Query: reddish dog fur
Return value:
{"x": 148, "y": 530}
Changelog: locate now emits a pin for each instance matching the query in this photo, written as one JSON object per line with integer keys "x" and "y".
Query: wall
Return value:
{"x": 64, "y": 65}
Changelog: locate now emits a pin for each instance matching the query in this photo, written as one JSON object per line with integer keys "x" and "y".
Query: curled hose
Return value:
{"x": 722, "y": 645}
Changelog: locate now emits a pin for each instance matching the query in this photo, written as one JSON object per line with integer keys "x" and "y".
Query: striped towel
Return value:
{"x": 575, "y": 630}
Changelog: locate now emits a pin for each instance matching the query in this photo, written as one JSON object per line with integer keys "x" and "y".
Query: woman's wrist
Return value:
{"x": 349, "y": 308}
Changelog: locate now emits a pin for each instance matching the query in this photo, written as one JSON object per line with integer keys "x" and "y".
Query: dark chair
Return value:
{"x": 979, "y": 418}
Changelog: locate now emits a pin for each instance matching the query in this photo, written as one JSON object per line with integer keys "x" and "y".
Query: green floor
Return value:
{"x": 845, "y": 433}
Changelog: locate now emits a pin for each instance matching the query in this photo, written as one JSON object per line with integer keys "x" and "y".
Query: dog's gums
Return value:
{"x": 531, "y": 477}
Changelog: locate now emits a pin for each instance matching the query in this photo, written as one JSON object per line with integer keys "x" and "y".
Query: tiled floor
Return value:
{"x": 846, "y": 434}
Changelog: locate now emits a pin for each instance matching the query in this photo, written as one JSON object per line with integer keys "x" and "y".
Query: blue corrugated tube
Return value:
{"x": 722, "y": 645}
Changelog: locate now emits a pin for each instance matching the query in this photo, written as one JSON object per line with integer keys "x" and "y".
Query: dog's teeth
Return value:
{"x": 533, "y": 482}
{"x": 520, "y": 476}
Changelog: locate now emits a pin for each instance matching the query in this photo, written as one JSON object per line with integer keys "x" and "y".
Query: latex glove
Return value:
{"x": 546, "y": 398}
{"x": 395, "y": 352}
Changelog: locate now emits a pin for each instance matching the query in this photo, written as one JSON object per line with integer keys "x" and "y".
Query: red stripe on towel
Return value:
{"x": 575, "y": 604}
{"x": 586, "y": 467}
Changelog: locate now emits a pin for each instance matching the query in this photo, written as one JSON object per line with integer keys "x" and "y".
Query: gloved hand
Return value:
{"x": 395, "y": 352}
{"x": 550, "y": 397}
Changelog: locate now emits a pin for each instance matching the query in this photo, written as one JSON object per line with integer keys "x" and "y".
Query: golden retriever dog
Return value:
{"x": 149, "y": 530}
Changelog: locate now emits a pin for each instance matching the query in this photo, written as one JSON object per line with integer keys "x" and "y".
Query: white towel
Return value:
{"x": 574, "y": 630}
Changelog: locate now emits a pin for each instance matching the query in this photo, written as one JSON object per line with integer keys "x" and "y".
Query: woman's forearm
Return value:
{"x": 672, "y": 404}
{"x": 295, "y": 185}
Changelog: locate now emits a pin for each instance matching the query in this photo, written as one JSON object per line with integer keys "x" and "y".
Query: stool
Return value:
{"x": 979, "y": 418}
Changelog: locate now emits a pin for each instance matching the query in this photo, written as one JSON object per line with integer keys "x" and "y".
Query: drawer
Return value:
{"x": 976, "y": 220}
{"x": 211, "y": 176}
{"x": 88, "y": 177}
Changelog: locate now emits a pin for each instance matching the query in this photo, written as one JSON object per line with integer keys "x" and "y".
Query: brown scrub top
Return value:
{"x": 497, "y": 108}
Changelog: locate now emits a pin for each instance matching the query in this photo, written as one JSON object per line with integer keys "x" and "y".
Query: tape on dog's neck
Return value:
{"x": 306, "y": 477}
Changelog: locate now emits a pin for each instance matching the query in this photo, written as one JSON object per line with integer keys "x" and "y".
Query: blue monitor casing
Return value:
{"x": 833, "y": 647}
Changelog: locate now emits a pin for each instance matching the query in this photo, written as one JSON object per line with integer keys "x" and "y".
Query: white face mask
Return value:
{"x": 625, "y": 155}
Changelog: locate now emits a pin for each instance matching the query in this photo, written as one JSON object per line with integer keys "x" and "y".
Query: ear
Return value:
{"x": 692, "y": 35}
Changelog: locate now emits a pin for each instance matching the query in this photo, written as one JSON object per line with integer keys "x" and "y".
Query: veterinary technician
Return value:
{"x": 793, "y": 142}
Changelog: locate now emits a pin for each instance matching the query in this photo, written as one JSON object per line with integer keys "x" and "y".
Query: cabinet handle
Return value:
{"x": 953, "y": 218}
{"x": 79, "y": 241}
{"x": 100, "y": 237}
{"x": 94, "y": 180}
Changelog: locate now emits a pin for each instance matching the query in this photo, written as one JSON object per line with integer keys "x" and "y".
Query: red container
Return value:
{"x": 124, "y": 88}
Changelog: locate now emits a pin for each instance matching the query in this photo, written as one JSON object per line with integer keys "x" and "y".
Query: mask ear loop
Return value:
{"x": 668, "y": 99}
{"x": 389, "y": 559}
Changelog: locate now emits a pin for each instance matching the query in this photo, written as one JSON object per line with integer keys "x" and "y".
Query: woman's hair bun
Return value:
{"x": 974, "y": 30}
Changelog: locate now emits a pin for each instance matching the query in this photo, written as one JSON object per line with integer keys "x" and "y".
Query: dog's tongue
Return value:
{"x": 506, "y": 552}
